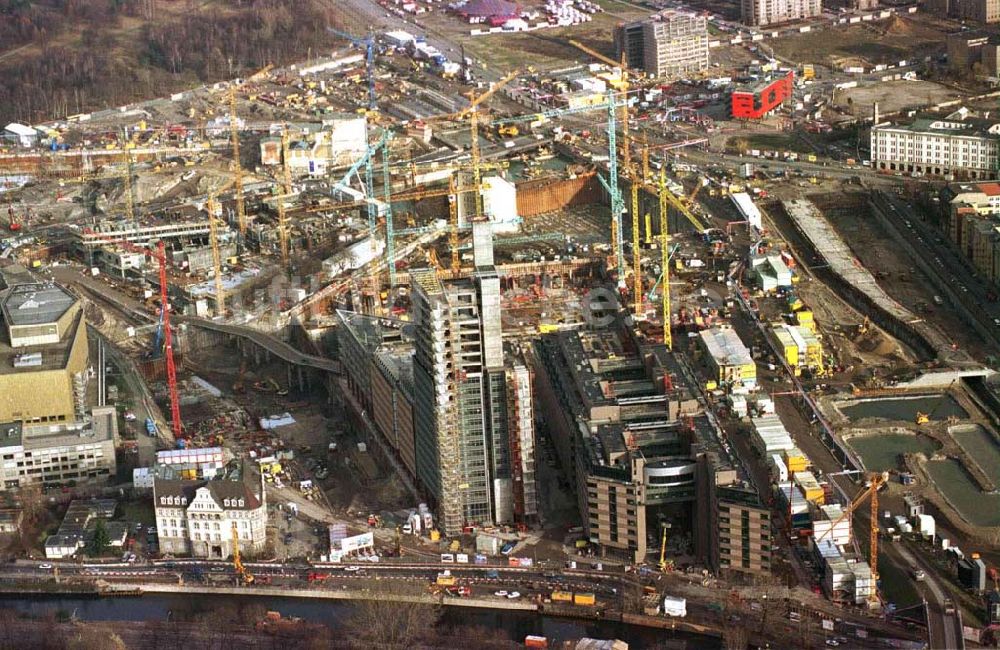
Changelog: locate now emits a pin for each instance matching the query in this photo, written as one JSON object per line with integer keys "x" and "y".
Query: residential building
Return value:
{"x": 758, "y": 13}
{"x": 632, "y": 436}
{"x": 10, "y": 520}
{"x": 761, "y": 99}
{"x": 59, "y": 453}
{"x": 959, "y": 146}
{"x": 728, "y": 359}
{"x": 671, "y": 43}
{"x": 43, "y": 355}
{"x": 462, "y": 452}
{"x": 972, "y": 211}
{"x": 198, "y": 517}
{"x": 77, "y": 528}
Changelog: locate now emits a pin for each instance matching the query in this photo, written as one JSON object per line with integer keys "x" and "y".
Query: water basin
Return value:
{"x": 940, "y": 407}
{"x": 963, "y": 493}
{"x": 981, "y": 447}
{"x": 881, "y": 452}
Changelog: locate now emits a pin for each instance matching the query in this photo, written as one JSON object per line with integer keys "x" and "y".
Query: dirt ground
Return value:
{"x": 894, "y": 96}
{"x": 865, "y": 44}
{"x": 893, "y": 269}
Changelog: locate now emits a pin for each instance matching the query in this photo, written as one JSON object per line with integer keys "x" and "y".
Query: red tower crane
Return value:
{"x": 168, "y": 345}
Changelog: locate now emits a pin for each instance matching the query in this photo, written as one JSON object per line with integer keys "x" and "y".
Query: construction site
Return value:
{"x": 269, "y": 256}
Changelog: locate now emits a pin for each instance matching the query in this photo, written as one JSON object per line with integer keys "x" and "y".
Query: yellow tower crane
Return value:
{"x": 241, "y": 571}
{"x": 213, "y": 235}
{"x": 129, "y": 190}
{"x": 456, "y": 262}
{"x": 234, "y": 133}
{"x": 286, "y": 190}
{"x": 636, "y": 257}
{"x": 668, "y": 338}
{"x": 874, "y": 483}
{"x": 472, "y": 110}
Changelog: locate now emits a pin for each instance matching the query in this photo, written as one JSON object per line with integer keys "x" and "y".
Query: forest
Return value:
{"x": 62, "y": 57}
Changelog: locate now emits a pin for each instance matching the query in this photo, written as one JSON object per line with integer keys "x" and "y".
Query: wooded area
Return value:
{"x": 61, "y": 57}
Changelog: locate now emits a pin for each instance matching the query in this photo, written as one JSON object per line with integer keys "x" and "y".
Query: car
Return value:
{"x": 217, "y": 569}
{"x": 45, "y": 566}
{"x": 514, "y": 594}
{"x": 501, "y": 593}
{"x": 352, "y": 569}
{"x": 833, "y": 643}
{"x": 138, "y": 527}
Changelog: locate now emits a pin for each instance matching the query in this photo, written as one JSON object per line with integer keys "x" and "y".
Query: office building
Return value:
{"x": 473, "y": 457}
{"x": 965, "y": 49}
{"x": 462, "y": 452}
{"x": 757, "y": 13}
{"x": 43, "y": 355}
{"x": 958, "y": 146}
{"x": 760, "y": 100}
{"x": 744, "y": 537}
{"x": 59, "y": 453}
{"x": 631, "y": 434}
{"x": 198, "y": 517}
{"x": 672, "y": 43}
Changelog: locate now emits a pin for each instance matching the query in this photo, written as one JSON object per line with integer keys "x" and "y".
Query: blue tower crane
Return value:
{"x": 369, "y": 43}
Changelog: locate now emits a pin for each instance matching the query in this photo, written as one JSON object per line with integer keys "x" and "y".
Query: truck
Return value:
{"x": 673, "y": 606}
{"x": 949, "y": 607}
{"x": 445, "y": 579}
{"x": 151, "y": 428}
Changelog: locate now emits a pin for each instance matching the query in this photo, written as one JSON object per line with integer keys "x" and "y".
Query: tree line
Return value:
{"x": 73, "y": 56}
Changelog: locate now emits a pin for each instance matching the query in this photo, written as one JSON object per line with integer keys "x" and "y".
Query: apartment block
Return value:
{"x": 757, "y": 13}
{"x": 958, "y": 146}
{"x": 628, "y": 429}
{"x": 671, "y": 43}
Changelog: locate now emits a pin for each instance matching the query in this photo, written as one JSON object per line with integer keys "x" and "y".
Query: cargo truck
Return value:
{"x": 674, "y": 606}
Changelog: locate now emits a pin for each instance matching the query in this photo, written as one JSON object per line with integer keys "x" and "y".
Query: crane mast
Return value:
{"x": 668, "y": 337}
{"x": 234, "y": 132}
{"x": 213, "y": 234}
{"x": 286, "y": 189}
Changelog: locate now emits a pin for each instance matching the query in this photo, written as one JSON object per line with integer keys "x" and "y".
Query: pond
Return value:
{"x": 957, "y": 486}
{"x": 881, "y": 452}
{"x": 939, "y": 407}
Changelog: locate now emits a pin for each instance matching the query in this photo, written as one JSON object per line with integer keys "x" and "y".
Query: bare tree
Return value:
{"x": 736, "y": 637}
{"x": 93, "y": 637}
{"x": 386, "y": 623}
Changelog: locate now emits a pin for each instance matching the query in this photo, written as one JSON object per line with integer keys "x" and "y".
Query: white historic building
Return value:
{"x": 197, "y": 517}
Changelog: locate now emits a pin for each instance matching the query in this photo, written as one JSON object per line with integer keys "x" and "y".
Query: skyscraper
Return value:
{"x": 462, "y": 446}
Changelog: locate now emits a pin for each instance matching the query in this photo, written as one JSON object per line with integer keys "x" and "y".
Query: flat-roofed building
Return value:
{"x": 671, "y": 43}
{"x": 956, "y": 146}
{"x": 43, "y": 355}
{"x": 728, "y": 359}
{"x": 59, "y": 453}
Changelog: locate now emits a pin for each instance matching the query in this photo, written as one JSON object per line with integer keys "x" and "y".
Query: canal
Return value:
{"x": 939, "y": 407}
{"x": 516, "y": 624}
{"x": 881, "y": 452}
{"x": 981, "y": 446}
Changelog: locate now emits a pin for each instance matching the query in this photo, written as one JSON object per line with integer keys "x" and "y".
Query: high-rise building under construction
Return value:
{"x": 461, "y": 429}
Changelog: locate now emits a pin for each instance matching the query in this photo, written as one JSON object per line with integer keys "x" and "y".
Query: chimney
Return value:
{"x": 875, "y": 118}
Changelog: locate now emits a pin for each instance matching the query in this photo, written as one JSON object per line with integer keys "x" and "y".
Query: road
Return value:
{"x": 943, "y": 628}
{"x": 943, "y": 261}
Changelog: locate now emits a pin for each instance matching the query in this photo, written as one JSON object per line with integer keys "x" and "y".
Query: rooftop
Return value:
{"x": 970, "y": 126}
{"x": 726, "y": 347}
{"x": 34, "y": 358}
{"x": 237, "y": 488}
{"x": 36, "y": 303}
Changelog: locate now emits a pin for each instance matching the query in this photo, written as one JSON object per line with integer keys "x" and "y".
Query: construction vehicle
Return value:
{"x": 873, "y": 484}
{"x": 445, "y": 579}
{"x": 12, "y": 223}
{"x": 664, "y": 563}
{"x": 925, "y": 418}
{"x": 168, "y": 346}
{"x": 241, "y": 571}
{"x": 865, "y": 326}
{"x": 508, "y": 131}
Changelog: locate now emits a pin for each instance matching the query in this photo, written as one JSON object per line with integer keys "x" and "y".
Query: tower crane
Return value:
{"x": 129, "y": 196}
{"x": 234, "y": 134}
{"x": 286, "y": 189}
{"x": 874, "y": 483}
{"x": 636, "y": 257}
{"x": 369, "y": 44}
{"x": 241, "y": 570}
{"x": 213, "y": 234}
{"x": 668, "y": 337}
